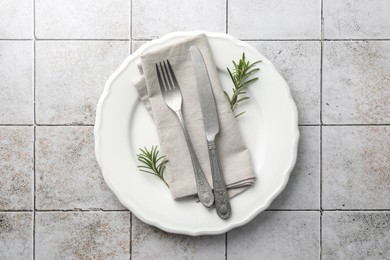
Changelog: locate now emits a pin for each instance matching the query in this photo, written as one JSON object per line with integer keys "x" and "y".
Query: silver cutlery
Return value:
{"x": 171, "y": 93}
{"x": 211, "y": 127}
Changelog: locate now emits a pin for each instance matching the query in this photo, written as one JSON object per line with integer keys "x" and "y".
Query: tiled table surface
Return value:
{"x": 55, "y": 57}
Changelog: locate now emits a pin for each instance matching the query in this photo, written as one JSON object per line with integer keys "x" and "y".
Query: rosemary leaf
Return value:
{"x": 152, "y": 162}
{"x": 240, "y": 76}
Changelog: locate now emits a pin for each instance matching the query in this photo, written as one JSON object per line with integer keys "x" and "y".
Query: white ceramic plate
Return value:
{"x": 269, "y": 129}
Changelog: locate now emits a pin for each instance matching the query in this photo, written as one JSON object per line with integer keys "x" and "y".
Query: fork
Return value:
{"x": 171, "y": 93}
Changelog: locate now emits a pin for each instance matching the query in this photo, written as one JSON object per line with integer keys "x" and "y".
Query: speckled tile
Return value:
{"x": 356, "y": 82}
{"x": 277, "y": 235}
{"x": 135, "y": 45}
{"x": 16, "y": 19}
{"x": 149, "y": 21}
{"x": 70, "y": 77}
{"x": 356, "y": 169}
{"x": 283, "y": 19}
{"x": 356, "y": 235}
{"x": 151, "y": 243}
{"x": 16, "y": 168}
{"x": 351, "y": 19}
{"x": 16, "y": 235}
{"x": 299, "y": 64}
{"x": 82, "y": 235}
{"x": 88, "y": 19}
{"x": 303, "y": 188}
{"x": 67, "y": 175}
{"x": 16, "y": 82}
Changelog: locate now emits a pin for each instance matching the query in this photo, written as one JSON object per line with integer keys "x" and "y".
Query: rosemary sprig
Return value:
{"x": 241, "y": 79}
{"x": 152, "y": 162}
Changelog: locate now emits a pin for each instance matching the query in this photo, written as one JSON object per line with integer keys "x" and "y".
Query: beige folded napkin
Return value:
{"x": 234, "y": 157}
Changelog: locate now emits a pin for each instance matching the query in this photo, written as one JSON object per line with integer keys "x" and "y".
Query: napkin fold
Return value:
{"x": 234, "y": 157}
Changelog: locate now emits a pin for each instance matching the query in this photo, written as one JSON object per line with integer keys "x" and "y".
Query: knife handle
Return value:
{"x": 221, "y": 198}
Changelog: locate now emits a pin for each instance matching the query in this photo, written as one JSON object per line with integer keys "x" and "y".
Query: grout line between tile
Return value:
{"x": 34, "y": 123}
{"x": 317, "y": 40}
{"x": 65, "y": 125}
{"x": 5, "y": 125}
{"x": 131, "y": 236}
{"x": 321, "y": 122}
{"x": 355, "y": 40}
{"x": 16, "y": 210}
{"x": 34, "y": 22}
{"x": 99, "y": 40}
{"x": 227, "y": 17}
{"x": 355, "y": 125}
{"x": 304, "y": 210}
{"x": 226, "y": 245}
{"x": 356, "y": 210}
{"x": 82, "y": 210}
{"x": 321, "y": 209}
{"x": 279, "y": 40}
{"x": 34, "y": 181}
{"x": 9, "y": 39}
{"x": 131, "y": 19}
{"x": 143, "y": 39}
{"x": 34, "y": 85}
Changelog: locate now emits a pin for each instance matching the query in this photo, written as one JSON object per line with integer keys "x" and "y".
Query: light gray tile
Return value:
{"x": 16, "y": 235}
{"x": 356, "y": 83}
{"x": 70, "y": 76}
{"x": 16, "y": 82}
{"x": 67, "y": 175}
{"x": 303, "y": 188}
{"x": 283, "y": 19}
{"x": 135, "y": 45}
{"x": 299, "y": 64}
{"x": 351, "y": 19}
{"x": 151, "y": 243}
{"x": 82, "y": 235}
{"x": 88, "y": 19}
{"x": 356, "y": 235}
{"x": 153, "y": 18}
{"x": 356, "y": 169}
{"x": 16, "y": 168}
{"x": 16, "y": 19}
{"x": 277, "y": 235}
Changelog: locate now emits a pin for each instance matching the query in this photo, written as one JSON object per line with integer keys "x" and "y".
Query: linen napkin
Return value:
{"x": 234, "y": 157}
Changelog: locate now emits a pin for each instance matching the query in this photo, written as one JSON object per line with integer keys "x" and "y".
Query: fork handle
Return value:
{"x": 222, "y": 201}
{"x": 205, "y": 192}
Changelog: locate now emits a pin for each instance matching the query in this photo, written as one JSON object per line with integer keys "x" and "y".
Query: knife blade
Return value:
{"x": 211, "y": 127}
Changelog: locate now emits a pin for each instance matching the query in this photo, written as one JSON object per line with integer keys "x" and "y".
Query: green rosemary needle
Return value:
{"x": 240, "y": 76}
{"x": 152, "y": 162}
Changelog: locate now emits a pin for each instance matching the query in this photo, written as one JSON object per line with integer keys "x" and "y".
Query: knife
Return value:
{"x": 211, "y": 127}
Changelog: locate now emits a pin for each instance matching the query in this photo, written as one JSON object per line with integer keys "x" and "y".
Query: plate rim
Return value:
{"x": 105, "y": 94}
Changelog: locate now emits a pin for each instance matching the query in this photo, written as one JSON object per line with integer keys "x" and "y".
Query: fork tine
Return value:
{"x": 169, "y": 76}
{"x": 164, "y": 77}
{"x": 173, "y": 75}
{"x": 160, "y": 81}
